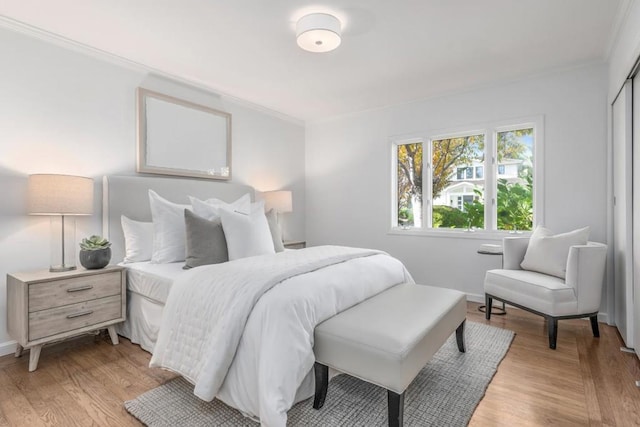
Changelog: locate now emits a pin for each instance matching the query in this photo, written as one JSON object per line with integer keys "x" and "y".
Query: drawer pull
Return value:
{"x": 80, "y": 313}
{"x": 80, "y": 288}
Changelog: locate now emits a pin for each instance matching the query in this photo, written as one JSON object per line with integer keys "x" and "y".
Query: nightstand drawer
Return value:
{"x": 56, "y": 293}
{"x": 54, "y": 321}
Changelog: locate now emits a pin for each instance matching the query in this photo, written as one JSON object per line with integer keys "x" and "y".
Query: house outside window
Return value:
{"x": 483, "y": 180}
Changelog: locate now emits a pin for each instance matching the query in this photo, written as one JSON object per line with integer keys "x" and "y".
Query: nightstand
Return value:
{"x": 43, "y": 307}
{"x": 295, "y": 244}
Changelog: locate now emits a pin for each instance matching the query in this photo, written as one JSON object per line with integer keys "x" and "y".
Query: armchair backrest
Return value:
{"x": 513, "y": 249}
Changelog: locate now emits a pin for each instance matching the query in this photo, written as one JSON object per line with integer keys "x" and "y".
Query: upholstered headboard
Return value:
{"x": 128, "y": 195}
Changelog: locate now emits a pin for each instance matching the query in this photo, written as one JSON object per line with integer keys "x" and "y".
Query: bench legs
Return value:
{"x": 460, "y": 336}
{"x": 395, "y": 405}
{"x": 322, "y": 384}
{"x": 395, "y": 401}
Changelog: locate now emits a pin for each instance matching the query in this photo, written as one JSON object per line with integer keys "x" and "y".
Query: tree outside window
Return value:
{"x": 409, "y": 173}
{"x": 515, "y": 190}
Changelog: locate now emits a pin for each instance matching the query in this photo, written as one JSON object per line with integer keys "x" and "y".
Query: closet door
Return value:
{"x": 636, "y": 212}
{"x": 622, "y": 214}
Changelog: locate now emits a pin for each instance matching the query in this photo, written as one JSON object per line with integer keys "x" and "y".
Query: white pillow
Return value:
{"x": 169, "y": 232}
{"x": 276, "y": 231}
{"x": 138, "y": 240}
{"x": 247, "y": 235}
{"x": 210, "y": 209}
{"x": 547, "y": 253}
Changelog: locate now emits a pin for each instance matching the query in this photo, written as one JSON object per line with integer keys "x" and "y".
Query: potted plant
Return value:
{"x": 95, "y": 252}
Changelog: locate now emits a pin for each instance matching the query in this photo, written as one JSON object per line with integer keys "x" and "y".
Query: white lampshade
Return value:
{"x": 280, "y": 201}
{"x": 62, "y": 197}
{"x": 318, "y": 32}
{"x": 50, "y": 194}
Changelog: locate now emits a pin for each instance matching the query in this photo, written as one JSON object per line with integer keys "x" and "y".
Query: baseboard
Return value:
{"x": 475, "y": 298}
{"x": 8, "y": 347}
{"x": 602, "y": 317}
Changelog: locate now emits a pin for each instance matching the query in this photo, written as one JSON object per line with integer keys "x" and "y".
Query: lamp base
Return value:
{"x": 60, "y": 269}
{"x": 63, "y": 243}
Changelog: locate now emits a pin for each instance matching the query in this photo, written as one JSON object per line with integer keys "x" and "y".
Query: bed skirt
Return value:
{"x": 143, "y": 321}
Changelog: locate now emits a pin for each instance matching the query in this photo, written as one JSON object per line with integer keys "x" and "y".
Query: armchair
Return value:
{"x": 576, "y": 296}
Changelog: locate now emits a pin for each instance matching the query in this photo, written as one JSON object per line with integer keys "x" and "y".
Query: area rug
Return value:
{"x": 445, "y": 393}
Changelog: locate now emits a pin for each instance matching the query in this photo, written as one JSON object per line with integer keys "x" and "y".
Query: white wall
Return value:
{"x": 62, "y": 111}
{"x": 349, "y": 169}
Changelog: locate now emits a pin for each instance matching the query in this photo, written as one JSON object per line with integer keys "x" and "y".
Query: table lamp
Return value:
{"x": 62, "y": 197}
{"x": 281, "y": 202}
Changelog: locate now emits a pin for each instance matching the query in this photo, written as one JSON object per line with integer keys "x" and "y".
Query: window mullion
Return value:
{"x": 427, "y": 187}
{"x": 490, "y": 188}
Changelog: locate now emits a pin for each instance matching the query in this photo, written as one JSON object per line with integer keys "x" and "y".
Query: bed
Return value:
{"x": 148, "y": 284}
{"x": 240, "y": 331}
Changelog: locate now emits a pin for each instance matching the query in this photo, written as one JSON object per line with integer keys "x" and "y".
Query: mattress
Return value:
{"x": 152, "y": 281}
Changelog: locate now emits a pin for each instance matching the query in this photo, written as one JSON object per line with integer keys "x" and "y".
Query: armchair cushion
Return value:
{"x": 547, "y": 253}
{"x": 543, "y": 293}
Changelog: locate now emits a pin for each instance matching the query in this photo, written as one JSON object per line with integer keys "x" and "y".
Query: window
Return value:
{"x": 469, "y": 173}
{"x": 463, "y": 200}
{"x": 473, "y": 180}
{"x": 447, "y": 154}
{"x": 515, "y": 187}
{"x": 409, "y": 185}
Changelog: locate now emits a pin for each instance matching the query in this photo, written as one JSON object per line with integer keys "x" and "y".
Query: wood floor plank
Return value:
{"x": 586, "y": 381}
{"x": 47, "y": 397}
{"x": 100, "y": 403}
{"x": 16, "y": 408}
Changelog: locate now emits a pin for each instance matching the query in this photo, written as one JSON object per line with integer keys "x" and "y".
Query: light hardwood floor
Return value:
{"x": 586, "y": 381}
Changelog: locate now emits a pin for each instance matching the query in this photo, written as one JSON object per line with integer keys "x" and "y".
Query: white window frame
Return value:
{"x": 490, "y": 166}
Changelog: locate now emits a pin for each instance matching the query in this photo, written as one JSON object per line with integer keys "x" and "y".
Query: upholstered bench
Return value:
{"x": 387, "y": 339}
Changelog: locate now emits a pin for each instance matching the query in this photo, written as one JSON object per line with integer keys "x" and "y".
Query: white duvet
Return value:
{"x": 242, "y": 331}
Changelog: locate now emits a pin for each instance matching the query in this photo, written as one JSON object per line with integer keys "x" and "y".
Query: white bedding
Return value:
{"x": 258, "y": 358}
{"x": 152, "y": 281}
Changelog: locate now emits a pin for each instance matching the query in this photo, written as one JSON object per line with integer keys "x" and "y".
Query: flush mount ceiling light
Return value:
{"x": 318, "y": 32}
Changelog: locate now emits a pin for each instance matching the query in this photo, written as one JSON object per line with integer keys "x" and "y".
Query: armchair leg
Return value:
{"x": 594, "y": 325}
{"x": 488, "y": 302}
{"x": 552, "y": 325}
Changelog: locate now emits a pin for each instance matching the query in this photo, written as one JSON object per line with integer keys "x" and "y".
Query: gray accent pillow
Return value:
{"x": 276, "y": 231}
{"x": 205, "y": 241}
